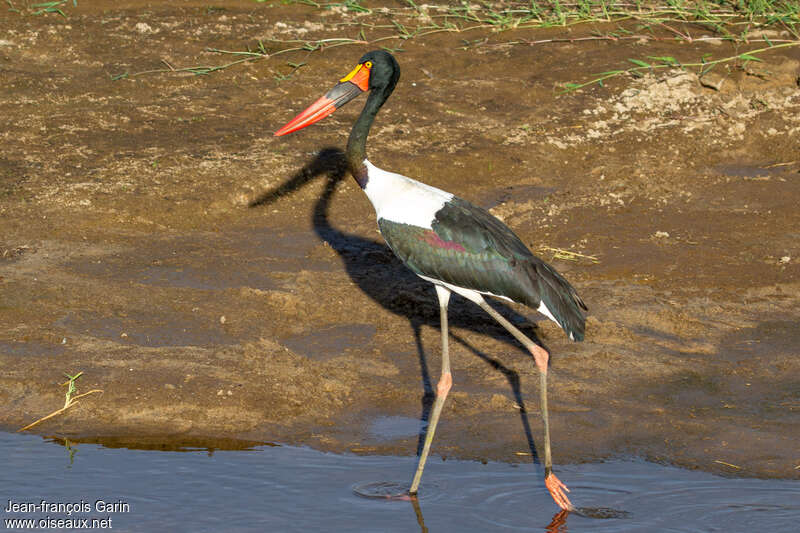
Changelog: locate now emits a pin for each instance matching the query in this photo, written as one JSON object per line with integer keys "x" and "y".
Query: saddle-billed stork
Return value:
{"x": 448, "y": 241}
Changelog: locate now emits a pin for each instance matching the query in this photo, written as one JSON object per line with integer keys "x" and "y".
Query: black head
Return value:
{"x": 384, "y": 72}
{"x": 377, "y": 72}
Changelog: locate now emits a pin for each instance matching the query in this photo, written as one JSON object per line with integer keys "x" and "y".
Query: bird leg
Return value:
{"x": 442, "y": 388}
{"x": 540, "y": 355}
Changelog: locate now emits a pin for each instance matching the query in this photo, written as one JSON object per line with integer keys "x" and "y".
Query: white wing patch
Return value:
{"x": 400, "y": 199}
{"x": 546, "y": 312}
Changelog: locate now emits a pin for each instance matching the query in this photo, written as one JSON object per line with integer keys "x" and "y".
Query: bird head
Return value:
{"x": 376, "y": 71}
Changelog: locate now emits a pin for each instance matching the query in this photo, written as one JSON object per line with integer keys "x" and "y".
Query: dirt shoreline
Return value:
{"x": 149, "y": 239}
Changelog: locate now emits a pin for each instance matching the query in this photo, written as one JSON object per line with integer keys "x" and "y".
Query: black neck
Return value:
{"x": 357, "y": 143}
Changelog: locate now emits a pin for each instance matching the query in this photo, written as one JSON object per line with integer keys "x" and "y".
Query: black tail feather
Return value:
{"x": 561, "y": 299}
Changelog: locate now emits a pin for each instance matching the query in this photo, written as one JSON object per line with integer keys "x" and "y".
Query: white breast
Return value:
{"x": 401, "y": 199}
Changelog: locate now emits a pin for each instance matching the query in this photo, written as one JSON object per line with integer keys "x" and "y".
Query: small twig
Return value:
{"x": 685, "y": 37}
{"x": 559, "y": 253}
{"x": 728, "y": 464}
{"x": 58, "y": 412}
{"x": 51, "y": 415}
{"x": 73, "y": 403}
{"x": 69, "y": 401}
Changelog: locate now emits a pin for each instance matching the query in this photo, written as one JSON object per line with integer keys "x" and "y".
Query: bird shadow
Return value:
{"x": 374, "y": 268}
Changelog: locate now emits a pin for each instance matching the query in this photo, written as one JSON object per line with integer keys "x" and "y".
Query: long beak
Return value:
{"x": 348, "y": 88}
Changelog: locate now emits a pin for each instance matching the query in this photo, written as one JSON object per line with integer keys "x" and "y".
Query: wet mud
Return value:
{"x": 221, "y": 285}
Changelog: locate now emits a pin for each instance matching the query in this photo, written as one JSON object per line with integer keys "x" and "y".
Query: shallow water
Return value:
{"x": 282, "y": 488}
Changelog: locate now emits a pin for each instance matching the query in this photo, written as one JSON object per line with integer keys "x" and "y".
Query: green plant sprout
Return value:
{"x": 69, "y": 401}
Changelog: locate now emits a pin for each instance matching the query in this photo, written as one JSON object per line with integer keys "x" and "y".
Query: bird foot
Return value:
{"x": 557, "y": 488}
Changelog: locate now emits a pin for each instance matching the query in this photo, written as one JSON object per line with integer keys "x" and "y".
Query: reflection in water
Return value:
{"x": 559, "y": 522}
{"x": 418, "y": 511}
{"x": 71, "y": 450}
{"x": 557, "y": 525}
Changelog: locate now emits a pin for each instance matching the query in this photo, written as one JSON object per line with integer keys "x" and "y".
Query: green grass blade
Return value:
{"x": 640, "y": 63}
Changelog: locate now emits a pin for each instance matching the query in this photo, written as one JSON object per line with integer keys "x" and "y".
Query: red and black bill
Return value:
{"x": 348, "y": 88}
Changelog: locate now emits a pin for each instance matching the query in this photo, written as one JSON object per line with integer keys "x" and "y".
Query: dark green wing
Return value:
{"x": 468, "y": 247}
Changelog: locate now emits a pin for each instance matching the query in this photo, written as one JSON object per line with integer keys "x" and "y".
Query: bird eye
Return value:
{"x": 368, "y": 64}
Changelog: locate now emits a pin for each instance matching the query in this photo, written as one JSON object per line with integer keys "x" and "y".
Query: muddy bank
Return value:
{"x": 149, "y": 240}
